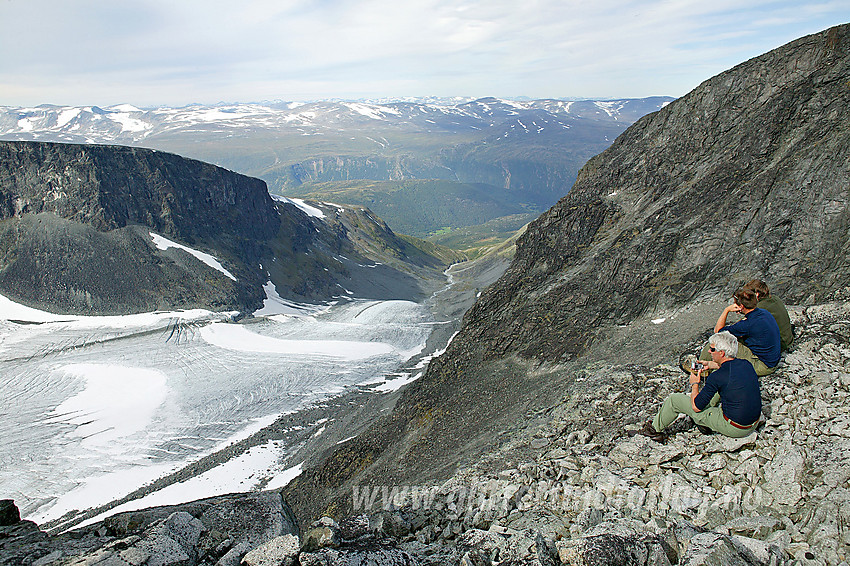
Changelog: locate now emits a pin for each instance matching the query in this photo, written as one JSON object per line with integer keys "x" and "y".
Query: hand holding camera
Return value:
{"x": 697, "y": 368}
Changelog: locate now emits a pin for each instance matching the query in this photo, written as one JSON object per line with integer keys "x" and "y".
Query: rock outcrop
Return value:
{"x": 220, "y": 530}
{"x": 75, "y": 223}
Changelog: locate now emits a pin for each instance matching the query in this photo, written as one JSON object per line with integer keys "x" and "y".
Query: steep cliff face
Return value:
{"x": 109, "y": 187}
{"x": 75, "y": 223}
{"x": 744, "y": 177}
{"x": 348, "y": 167}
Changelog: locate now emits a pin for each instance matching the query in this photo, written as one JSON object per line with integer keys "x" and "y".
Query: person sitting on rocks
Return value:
{"x": 734, "y": 386}
{"x": 776, "y": 307}
{"x": 757, "y": 333}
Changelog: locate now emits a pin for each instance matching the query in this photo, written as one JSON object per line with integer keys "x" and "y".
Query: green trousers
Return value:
{"x": 744, "y": 353}
{"x": 711, "y": 416}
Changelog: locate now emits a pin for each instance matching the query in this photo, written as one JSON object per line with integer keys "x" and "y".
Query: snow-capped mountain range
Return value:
{"x": 127, "y": 124}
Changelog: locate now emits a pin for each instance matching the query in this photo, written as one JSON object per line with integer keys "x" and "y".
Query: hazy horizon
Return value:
{"x": 155, "y": 53}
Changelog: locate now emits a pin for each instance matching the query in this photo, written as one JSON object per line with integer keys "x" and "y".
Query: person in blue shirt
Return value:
{"x": 776, "y": 307}
{"x": 728, "y": 403}
{"x": 757, "y": 333}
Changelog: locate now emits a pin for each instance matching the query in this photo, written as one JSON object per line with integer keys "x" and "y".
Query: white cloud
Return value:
{"x": 164, "y": 52}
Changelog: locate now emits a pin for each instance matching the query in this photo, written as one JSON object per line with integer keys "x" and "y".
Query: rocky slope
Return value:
{"x": 562, "y": 487}
{"x": 77, "y": 227}
{"x": 738, "y": 179}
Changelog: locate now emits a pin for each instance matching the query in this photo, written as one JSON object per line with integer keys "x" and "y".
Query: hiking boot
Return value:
{"x": 705, "y": 430}
{"x": 682, "y": 424}
{"x": 649, "y": 431}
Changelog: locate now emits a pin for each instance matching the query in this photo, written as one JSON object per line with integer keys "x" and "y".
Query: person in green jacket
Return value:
{"x": 775, "y": 307}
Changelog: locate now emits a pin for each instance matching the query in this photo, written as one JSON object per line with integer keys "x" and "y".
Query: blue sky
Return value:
{"x": 176, "y": 52}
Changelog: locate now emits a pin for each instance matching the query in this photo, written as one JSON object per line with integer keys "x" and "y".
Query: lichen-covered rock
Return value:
{"x": 320, "y": 537}
{"x": 354, "y": 527}
{"x": 612, "y": 550}
{"x": 390, "y": 523}
{"x": 359, "y": 556}
{"x": 753, "y": 527}
{"x": 280, "y": 551}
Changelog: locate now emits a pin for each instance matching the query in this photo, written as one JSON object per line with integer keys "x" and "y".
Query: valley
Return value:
{"x": 434, "y": 165}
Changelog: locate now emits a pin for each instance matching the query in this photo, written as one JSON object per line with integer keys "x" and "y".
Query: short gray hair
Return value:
{"x": 725, "y": 341}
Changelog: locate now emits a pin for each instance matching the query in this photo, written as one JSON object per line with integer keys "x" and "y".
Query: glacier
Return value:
{"x": 96, "y": 407}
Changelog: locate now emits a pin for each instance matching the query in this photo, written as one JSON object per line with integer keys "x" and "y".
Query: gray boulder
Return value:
{"x": 354, "y": 527}
{"x": 280, "y": 551}
{"x": 617, "y": 543}
{"x": 783, "y": 475}
{"x": 320, "y": 537}
{"x": 358, "y": 556}
{"x": 9, "y": 513}
{"x": 170, "y": 543}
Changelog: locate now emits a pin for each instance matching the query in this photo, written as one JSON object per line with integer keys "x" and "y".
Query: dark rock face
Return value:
{"x": 109, "y": 187}
{"x": 74, "y": 224}
{"x": 9, "y": 513}
{"x": 742, "y": 178}
{"x": 61, "y": 265}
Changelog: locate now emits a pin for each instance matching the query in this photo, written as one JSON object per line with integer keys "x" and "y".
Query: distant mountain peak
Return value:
{"x": 129, "y": 124}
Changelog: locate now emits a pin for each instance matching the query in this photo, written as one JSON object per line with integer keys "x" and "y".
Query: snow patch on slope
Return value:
{"x": 164, "y": 243}
{"x": 297, "y": 202}
{"x": 612, "y": 108}
{"x": 239, "y": 338}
